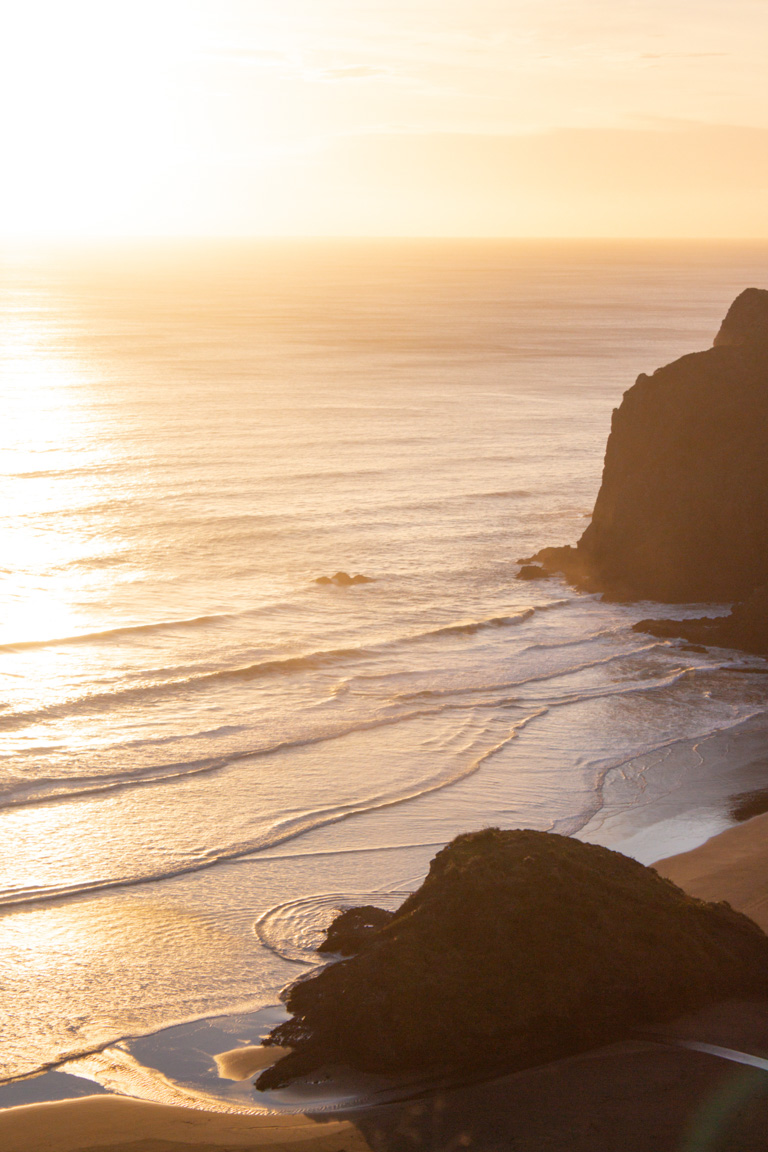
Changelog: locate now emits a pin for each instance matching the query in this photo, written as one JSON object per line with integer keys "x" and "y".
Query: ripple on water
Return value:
{"x": 295, "y": 930}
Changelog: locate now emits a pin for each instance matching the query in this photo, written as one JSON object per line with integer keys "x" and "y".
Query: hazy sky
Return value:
{"x": 448, "y": 117}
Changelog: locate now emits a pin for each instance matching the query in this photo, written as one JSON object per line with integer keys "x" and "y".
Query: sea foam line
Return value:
{"x": 59, "y": 789}
{"x": 279, "y": 666}
{"x": 574, "y": 825}
{"x": 281, "y": 831}
{"x": 113, "y": 633}
{"x": 295, "y": 826}
{"x": 53, "y": 790}
{"x": 430, "y": 693}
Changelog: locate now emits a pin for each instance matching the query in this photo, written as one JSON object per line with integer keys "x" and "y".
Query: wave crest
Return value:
{"x": 274, "y": 667}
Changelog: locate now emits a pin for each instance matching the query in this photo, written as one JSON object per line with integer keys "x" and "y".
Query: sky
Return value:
{"x": 384, "y": 117}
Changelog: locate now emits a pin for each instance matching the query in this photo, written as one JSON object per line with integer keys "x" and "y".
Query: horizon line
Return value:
{"x": 127, "y": 238}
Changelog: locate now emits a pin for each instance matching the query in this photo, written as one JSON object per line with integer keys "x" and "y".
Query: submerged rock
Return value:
{"x": 683, "y": 505}
{"x": 343, "y": 579}
{"x": 533, "y": 572}
{"x": 519, "y": 947}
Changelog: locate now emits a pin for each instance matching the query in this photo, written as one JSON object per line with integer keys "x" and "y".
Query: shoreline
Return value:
{"x": 732, "y": 865}
{"x": 676, "y": 798}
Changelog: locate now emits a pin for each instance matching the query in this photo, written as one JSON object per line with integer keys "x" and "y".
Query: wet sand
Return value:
{"x": 240, "y": 1063}
{"x": 634, "y": 1096}
{"x": 647, "y": 1094}
{"x": 732, "y": 866}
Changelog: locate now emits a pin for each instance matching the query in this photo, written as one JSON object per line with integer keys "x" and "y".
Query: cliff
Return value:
{"x": 682, "y": 510}
{"x": 518, "y": 948}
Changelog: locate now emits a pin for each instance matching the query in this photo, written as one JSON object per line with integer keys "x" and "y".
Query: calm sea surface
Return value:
{"x": 195, "y": 734}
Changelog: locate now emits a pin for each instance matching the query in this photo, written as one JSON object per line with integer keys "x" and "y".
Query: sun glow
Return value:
{"x": 325, "y": 117}
{"x": 44, "y": 434}
{"x": 91, "y": 88}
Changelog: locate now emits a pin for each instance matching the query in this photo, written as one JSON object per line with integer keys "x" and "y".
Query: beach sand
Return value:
{"x": 124, "y": 1125}
{"x": 640, "y": 1095}
{"x": 240, "y": 1063}
{"x": 647, "y": 1094}
{"x": 732, "y": 866}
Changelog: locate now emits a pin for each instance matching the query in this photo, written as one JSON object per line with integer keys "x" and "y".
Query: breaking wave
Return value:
{"x": 280, "y": 666}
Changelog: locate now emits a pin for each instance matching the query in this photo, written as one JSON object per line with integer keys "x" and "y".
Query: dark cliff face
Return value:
{"x": 683, "y": 507}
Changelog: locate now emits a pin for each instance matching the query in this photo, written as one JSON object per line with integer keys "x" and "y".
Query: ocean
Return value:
{"x": 204, "y": 751}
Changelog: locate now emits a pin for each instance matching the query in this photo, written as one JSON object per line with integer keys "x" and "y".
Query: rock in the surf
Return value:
{"x": 533, "y": 572}
{"x": 745, "y": 627}
{"x": 344, "y": 580}
{"x": 518, "y": 948}
{"x": 682, "y": 510}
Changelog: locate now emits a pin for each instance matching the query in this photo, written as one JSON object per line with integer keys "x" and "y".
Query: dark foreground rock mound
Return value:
{"x": 519, "y": 947}
{"x": 682, "y": 510}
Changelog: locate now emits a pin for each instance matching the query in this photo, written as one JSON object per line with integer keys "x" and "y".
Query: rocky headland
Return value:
{"x": 682, "y": 510}
{"x": 519, "y": 947}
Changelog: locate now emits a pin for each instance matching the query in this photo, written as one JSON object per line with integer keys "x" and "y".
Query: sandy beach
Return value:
{"x": 642, "y": 1094}
{"x": 240, "y": 1063}
{"x": 732, "y": 866}
{"x": 118, "y": 1123}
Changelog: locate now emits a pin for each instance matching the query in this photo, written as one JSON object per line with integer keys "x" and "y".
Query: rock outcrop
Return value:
{"x": 344, "y": 580}
{"x": 745, "y": 627}
{"x": 354, "y": 929}
{"x": 519, "y": 947}
{"x": 682, "y": 511}
{"x": 533, "y": 572}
